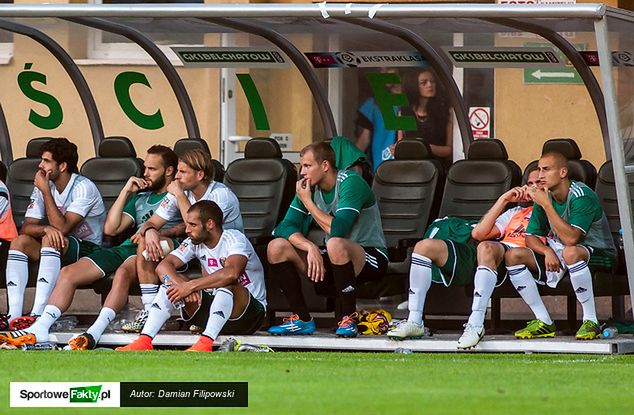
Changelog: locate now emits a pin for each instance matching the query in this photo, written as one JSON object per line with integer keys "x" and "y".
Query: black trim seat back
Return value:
{"x": 405, "y": 190}
{"x": 473, "y": 185}
{"x": 578, "y": 169}
{"x": 185, "y": 144}
{"x": 20, "y": 175}
{"x": 3, "y": 172}
{"x": 264, "y": 183}
{"x": 606, "y": 191}
{"x": 116, "y": 163}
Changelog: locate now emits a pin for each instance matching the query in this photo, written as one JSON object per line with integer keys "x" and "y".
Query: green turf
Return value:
{"x": 352, "y": 383}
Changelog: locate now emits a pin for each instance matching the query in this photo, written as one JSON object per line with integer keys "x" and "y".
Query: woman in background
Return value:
{"x": 431, "y": 110}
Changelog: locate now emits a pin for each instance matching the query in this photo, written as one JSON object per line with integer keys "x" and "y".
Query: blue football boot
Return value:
{"x": 348, "y": 326}
{"x": 293, "y": 325}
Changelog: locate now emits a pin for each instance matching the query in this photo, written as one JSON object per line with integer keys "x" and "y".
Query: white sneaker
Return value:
{"x": 407, "y": 330}
{"x": 471, "y": 336}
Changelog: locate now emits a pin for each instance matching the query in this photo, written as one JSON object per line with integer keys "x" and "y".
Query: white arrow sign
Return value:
{"x": 539, "y": 74}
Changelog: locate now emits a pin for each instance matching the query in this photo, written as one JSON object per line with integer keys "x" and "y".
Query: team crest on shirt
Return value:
{"x": 165, "y": 202}
{"x": 212, "y": 262}
{"x": 31, "y": 204}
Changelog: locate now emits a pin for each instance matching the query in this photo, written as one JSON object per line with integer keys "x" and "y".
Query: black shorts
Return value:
{"x": 248, "y": 322}
{"x": 373, "y": 270}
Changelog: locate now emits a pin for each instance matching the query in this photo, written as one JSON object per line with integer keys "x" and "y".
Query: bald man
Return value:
{"x": 579, "y": 240}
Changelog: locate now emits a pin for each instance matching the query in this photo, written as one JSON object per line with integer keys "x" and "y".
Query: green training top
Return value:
{"x": 582, "y": 210}
{"x": 142, "y": 206}
{"x": 353, "y": 206}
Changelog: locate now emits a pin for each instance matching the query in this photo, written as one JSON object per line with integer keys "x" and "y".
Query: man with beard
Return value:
{"x": 194, "y": 182}
{"x": 229, "y": 297}
{"x": 137, "y": 201}
{"x": 63, "y": 222}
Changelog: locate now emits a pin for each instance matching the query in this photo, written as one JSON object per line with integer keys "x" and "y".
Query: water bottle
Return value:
{"x": 609, "y": 332}
{"x": 180, "y": 303}
{"x": 244, "y": 347}
{"x": 620, "y": 240}
{"x": 40, "y": 346}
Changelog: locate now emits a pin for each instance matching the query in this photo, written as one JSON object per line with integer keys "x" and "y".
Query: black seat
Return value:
{"x": 606, "y": 191}
{"x": 185, "y": 144}
{"x": 578, "y": 169}
{"x": 20, "y": 177}
{"x": 405, "y": 190}
{"x": 264, "y": 184}
{"x": 117, "y": 162}
{"x": 473, "y": 185}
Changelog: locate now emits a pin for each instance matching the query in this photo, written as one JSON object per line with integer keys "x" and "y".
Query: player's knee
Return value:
{"x": 572, "y": 254}
{"x": 429, "y": 248}
{"x": 337, "y": 249}
{"x": 21, "y": 242}
{"x": 277, "y": 250}
{"x": 488, "y": 250}
{"x": 46, "y": 242}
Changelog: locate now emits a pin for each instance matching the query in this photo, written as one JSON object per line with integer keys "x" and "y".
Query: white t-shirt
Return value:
{"x": 216, "y": 192}
{"x": 232, "y": 242}
{"x": 4, "y": 201}
{"x": 80, "y": 196}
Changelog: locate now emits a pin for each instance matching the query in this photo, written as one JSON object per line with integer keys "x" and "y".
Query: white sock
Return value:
{"x": 581, "y": 280}
{"x": 526, "y": 286}
{"x": 484, "y": 283}
{"x": 17, "y": 278}
{"x": 160, "y": 312}
{"x": 106, "y": 315}
{"x": 43, "y": 324}
{"x": 419, "y": 283}
{"x": 50, "y": 264}
{"x": 148, "y": 292}
{"x": 219, "y": 312}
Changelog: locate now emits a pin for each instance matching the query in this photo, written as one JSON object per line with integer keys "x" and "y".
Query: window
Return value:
{"x": 6, "y": 41}
{"x": 105, "y": 47}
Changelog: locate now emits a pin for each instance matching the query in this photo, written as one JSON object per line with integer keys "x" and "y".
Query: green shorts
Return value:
{"x": 109, "y": 259}
{"x": 78, "y": 249}
{"x": 248, "y": 322}
{"x": 461, "y": 265}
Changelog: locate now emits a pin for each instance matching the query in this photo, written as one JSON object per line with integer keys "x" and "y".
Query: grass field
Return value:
{"x": 351, "y": 383}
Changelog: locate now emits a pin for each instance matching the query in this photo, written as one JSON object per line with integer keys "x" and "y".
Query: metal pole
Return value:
{"x": 437, "y": 62}
{"x": 6, "y": 152}
{"x": 618, "y": 156}
{"x": 175, "y": 81}
{"x": 71, "y": 69}
{"x": 318, "y": 92}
